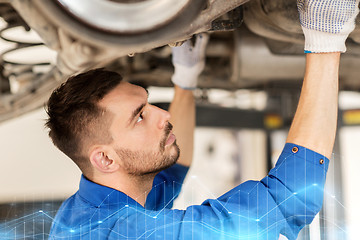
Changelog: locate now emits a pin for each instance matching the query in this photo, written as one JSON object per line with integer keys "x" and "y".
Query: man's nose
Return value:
{"x": 164, "y": 117}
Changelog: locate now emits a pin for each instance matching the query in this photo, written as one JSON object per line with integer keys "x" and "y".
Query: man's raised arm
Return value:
{"x": 189, "y": 62}
{"x": 314, "y": 124}
{"x": 326, "y": 25}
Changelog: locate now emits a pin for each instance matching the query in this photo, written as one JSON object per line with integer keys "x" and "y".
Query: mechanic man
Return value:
{"x": 127, "y": 150}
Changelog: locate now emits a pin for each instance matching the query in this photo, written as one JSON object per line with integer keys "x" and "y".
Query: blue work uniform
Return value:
{"x": 282, "y": 202}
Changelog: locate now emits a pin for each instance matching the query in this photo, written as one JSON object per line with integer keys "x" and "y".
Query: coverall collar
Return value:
{"x": 99, "y": 195}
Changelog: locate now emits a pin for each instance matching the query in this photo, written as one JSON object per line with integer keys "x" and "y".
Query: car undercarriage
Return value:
{"x": 256, "y": 44}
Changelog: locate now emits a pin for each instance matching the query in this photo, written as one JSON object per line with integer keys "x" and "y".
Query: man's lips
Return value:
{"x": 171, "y": 139}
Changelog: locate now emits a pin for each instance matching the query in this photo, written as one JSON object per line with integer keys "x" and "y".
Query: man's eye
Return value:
{"x": 140, "y": 118}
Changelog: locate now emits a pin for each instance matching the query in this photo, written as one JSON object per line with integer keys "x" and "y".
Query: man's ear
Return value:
{"x": 102, "y": 160}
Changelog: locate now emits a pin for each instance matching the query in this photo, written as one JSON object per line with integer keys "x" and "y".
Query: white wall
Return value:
{"x": 31, "y": 167}
{"x": 350, "y": 158}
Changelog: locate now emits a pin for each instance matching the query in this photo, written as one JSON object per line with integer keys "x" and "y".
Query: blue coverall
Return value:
{"x": 282, "y": 202}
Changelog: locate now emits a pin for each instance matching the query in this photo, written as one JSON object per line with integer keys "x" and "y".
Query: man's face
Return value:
{"x": 142, "y": 133}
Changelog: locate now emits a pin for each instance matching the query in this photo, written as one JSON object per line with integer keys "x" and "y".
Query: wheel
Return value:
{"x": 122, "y": 22}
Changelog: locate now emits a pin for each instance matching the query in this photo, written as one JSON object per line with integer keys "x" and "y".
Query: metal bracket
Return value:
{"x": 234, "y": 22}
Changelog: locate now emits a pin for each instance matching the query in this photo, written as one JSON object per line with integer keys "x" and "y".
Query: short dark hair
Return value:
{"x": 74, "y": 116}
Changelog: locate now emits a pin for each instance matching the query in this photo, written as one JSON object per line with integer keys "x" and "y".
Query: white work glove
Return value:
{"x": 189, "y": 62}
{"x": 327, "y": 23}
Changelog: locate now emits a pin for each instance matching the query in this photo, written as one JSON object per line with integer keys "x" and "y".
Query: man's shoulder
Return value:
{"x": 78, "y": 219}
{"x": 70, "y": 208}
{"x": 75, "y": 218}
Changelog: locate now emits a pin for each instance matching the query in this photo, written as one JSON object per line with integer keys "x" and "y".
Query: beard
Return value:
{"x": 141, "y": 163}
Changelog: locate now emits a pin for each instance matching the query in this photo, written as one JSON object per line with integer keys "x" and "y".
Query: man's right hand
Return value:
{"x": 327, "y": 23}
